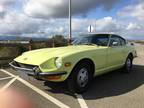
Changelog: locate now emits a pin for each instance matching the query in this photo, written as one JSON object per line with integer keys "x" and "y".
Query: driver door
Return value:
{"x": 115, "y": 52}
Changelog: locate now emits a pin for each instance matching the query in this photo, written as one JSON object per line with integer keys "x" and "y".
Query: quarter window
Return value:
{"x": 123, "y": 42}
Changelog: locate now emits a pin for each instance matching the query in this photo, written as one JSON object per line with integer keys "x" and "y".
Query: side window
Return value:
{"x": 101, "y": 40}
{"x": 115, "y": 41}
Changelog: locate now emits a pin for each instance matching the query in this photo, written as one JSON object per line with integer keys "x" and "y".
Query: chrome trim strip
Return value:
{"x": 31, "y": 72}
{"x": 52, "y": 73}
{"x": 19, "y": 68}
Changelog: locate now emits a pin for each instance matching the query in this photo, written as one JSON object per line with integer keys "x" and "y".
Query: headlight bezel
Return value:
{"x": 58, "y": 62}
{"x": 37, "y": 69}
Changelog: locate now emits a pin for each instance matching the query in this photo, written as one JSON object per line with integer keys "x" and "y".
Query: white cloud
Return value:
{"x": 133, "y": 19}
{"x": 59, "y": 8}
{"x": 1, "y": 8}
{"x": 136, "y": 11}
{"x": 14, "y": 23}
{"x": 81, "y": 25}
{"x": 55, "y": 26}
{"x": 133, "y": 26}
{"x": 133, "y": 34}
{"x": 4, "y": 6}
{"x": 17, "y": 23}
{"x": 7, "y": 2}
{"x": 20, "y": 24}
{"x": 2, "y": 11}
{"x": 108, "y": 24}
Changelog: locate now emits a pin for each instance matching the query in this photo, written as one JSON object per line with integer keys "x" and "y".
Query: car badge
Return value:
{"x": 25, "y": 58}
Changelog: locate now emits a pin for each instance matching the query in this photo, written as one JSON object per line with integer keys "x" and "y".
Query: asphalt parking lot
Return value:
{"x": 113, "y": 90}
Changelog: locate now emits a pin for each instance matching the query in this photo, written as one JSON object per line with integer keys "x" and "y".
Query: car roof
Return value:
{"x": 92, "y": 34}
{"x": 109, "y": 34}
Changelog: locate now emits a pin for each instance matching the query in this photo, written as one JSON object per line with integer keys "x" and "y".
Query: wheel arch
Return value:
{"x": 131, "y": 55}
{"x": 92, "y": 64}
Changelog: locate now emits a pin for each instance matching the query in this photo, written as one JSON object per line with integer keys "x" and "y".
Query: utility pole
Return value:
{"x": 53, "y": 41}
{"x": 70, "y": 23}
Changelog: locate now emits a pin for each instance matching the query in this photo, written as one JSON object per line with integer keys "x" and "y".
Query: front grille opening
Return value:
{"x": 25, "y": 65}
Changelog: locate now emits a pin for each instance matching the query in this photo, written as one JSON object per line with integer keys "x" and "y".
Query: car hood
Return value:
{"x": 37, "y": 57}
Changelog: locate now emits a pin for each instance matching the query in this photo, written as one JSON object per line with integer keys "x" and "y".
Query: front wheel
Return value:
{"x": 80, "y": 78}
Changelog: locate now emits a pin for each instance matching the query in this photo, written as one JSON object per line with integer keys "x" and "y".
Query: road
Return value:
{"x": 113, "y": 90}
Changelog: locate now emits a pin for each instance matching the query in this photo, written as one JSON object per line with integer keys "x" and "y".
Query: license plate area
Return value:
{"x": 24, "y": 74}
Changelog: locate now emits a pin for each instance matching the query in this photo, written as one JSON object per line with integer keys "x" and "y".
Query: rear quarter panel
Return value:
{"x": 130, "y": 49}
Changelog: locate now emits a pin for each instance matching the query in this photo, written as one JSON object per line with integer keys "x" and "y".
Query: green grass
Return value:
{"x": 8, "y": 52}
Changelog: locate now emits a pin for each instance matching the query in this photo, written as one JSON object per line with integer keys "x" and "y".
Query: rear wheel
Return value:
{"x": 80, "y": 78}
{"x": 128, "y": 64}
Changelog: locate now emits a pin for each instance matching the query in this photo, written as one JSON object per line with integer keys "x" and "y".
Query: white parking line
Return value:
{"x": 9, "y": 83}
{"x": 5, "y": 78}
{"x": 57, "y": 102}
{"x": 81, "y": 101}
{"x": 6, "y": 72}
{"x": 42, "y": 93}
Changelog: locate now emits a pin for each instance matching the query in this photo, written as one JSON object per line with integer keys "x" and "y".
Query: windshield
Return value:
{"x": 98, "y": 39}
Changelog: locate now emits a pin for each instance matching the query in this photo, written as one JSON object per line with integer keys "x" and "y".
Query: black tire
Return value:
{"x": 74, "y": 81}
{"x": 128, "y": 64}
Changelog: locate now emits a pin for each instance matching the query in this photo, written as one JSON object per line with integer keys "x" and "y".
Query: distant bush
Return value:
{"x": 22, "y": 48}
{"x": 38, "y": 45}
{"x": 9, "y": 51}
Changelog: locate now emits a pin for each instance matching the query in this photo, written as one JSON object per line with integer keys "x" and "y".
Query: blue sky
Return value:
{"x": 47, "y": 17}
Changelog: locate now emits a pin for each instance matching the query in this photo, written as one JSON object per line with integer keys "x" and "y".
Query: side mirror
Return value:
{"x": 132, "y": 44}
{"x": 114, "y": 44}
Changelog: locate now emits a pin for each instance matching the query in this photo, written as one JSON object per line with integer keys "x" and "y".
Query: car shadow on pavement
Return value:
{"x": 115, "y": 83}
{"x": 58, "y": 88}
{"x": 111, "y": 84}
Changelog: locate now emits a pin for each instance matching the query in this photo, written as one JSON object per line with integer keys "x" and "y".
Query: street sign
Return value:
{"x": 90, "y": 28}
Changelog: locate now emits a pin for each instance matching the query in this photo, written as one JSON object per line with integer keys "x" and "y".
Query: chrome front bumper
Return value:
{"x": 33, "y": 72}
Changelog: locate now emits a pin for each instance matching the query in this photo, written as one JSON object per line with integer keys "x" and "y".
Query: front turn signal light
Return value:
{"x": 52, "y": 77}
{"x": 68, "y": 64}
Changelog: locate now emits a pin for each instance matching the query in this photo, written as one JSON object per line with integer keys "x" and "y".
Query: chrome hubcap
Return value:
{"x": 128, "y": 63}
{"x": 82, "y": 77}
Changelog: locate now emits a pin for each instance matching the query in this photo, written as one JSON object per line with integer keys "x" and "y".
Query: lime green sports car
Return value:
{"x": 89, "y": 55}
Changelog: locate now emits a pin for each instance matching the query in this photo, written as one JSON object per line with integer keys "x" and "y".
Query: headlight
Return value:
{"x": 58, "y": 62}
